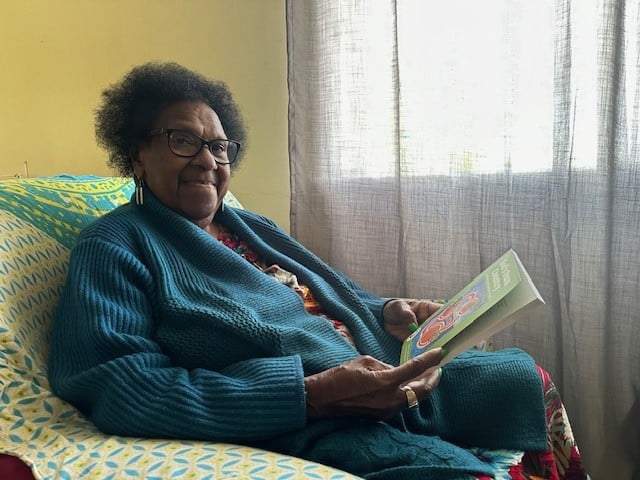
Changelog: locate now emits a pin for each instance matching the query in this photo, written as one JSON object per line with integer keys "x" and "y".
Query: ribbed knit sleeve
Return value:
{"x": 104, "y": 359}
{"x": 374, "y": 303}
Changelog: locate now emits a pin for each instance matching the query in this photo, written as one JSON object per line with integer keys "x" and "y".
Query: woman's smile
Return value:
{"x": 200, "y": 183}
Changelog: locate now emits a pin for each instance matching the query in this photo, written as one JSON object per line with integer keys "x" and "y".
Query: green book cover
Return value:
{"x": 476, "y": 312}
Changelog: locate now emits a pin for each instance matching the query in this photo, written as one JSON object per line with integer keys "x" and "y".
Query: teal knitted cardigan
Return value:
{"x": 162, "y": 331}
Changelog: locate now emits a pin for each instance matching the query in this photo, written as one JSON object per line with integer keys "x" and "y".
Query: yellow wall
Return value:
{"x": 58, "y": 55}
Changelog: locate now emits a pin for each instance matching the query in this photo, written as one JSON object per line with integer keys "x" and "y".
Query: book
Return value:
{"x": 481, "y": 309}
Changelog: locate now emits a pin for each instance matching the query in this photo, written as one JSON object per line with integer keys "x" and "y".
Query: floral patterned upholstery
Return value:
{"x": 39, "y": 221}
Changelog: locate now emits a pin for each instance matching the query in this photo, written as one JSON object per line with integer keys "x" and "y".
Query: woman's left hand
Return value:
{"x": 398, "y": 314}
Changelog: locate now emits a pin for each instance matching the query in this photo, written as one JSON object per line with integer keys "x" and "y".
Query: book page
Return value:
{"x": 478, "y": 311}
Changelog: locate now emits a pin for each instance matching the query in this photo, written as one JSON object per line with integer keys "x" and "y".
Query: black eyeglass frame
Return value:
{"x": 203, "y": 143}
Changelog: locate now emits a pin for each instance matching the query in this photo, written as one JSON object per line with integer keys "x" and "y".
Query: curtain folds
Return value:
{"x": 426, "y": 138}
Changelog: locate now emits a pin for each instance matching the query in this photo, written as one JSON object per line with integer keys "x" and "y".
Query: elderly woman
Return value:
{"x": 183, "y": 318}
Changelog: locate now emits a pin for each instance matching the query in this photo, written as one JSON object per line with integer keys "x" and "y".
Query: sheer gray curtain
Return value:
{"x": 428, "y": 137}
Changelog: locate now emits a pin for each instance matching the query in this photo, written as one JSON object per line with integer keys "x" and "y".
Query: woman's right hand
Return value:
{"x": 368, "y": 387}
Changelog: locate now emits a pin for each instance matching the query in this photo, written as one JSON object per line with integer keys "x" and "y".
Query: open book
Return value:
{"x": 482, "y": 308}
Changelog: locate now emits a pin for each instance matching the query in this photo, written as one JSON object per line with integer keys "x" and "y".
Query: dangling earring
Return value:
{"x": 222, "y": 205}
{"x": 139, "y": 190}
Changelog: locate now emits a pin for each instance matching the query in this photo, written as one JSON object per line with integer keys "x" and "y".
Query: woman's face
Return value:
{"x": 191, "y": 186}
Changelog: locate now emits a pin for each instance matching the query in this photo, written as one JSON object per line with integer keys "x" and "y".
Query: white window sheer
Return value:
{"x": 481, "y": 91}
{"x": 427, "y": 137}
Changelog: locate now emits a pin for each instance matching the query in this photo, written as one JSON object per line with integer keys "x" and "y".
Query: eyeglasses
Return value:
{"x": 186, "y": 144}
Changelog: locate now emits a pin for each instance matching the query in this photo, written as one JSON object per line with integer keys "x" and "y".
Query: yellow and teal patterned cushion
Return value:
{"x": 39, "y": 220}
{"x": 62, "y": 206}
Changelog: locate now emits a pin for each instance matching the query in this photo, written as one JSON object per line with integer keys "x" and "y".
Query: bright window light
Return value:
{"x": 476, "y": 87}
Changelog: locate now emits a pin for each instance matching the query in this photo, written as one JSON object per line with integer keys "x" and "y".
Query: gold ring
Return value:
{"x": 412, "y": 398}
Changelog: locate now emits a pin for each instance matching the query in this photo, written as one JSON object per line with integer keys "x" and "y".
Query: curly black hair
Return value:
{"x": 130, "y": 107}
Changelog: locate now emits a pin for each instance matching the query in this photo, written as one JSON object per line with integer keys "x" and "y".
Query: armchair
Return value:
{"x": 39, "y": 221}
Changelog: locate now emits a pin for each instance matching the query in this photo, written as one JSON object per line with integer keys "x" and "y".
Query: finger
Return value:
{"x": 415, "y": 367}
{"x": 424, "y": 309}
{"x": 425, "y": 386}
{"x": 404, "y": 312}
{"x": 370, "y": 363}
{"x": 433, "y": 381}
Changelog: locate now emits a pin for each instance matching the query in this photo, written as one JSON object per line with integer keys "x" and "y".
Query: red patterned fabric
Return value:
{"x": 562, "y": 461}
{"x": 13, "y": 468}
